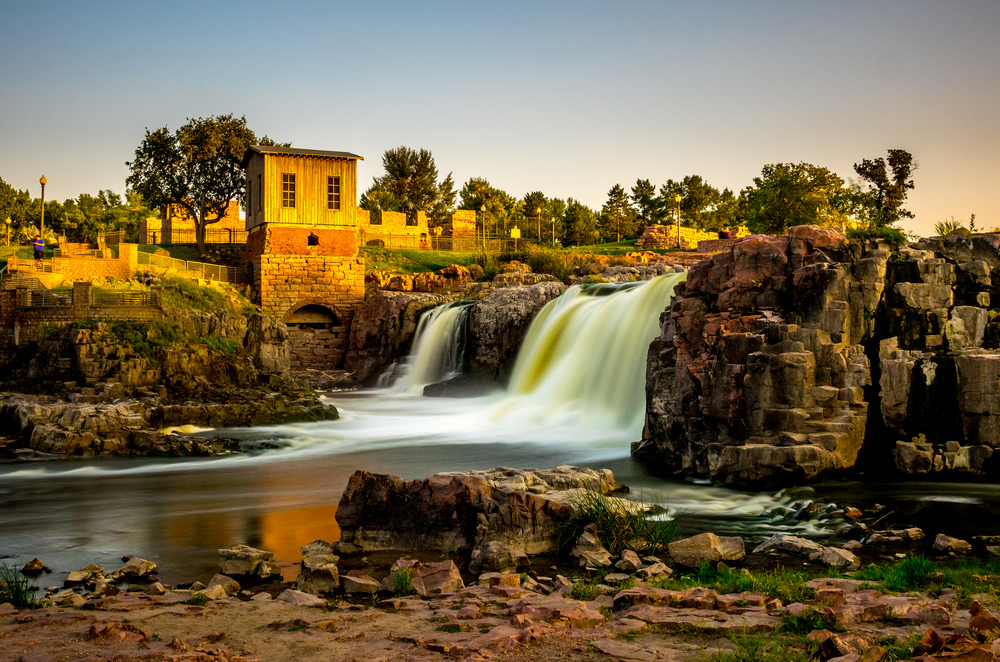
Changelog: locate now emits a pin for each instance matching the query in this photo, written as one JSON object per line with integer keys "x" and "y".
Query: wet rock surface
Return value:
{"x": 785, "y": 355}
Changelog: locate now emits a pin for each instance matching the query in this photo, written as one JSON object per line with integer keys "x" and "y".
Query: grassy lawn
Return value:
{"x": 412, "y": 261}
{"x": 178, "y": 251}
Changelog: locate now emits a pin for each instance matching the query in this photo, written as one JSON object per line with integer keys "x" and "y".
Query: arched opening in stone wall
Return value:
{"x": 313, "y": 316}
{"x": 317, "y": 337}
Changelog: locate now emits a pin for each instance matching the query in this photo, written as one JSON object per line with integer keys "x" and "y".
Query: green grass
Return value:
{"x": 199, "y": 599}
{"x": 15, "y": 588}
{"x": 402, "y": 582}
{"x": 214, "y": 297}
{"x": 768, "y": 648}
{"x": 177, "y": 251}
{"x": 412, "y": 261}
{"x": 909, "y": 574}
{"x": 786, "y": 585}
{"x": 894, "y": 236}
{"x": 619, "y": 524}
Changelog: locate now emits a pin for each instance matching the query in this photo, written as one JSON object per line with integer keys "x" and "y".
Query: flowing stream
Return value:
{"x": 576, "y": 397}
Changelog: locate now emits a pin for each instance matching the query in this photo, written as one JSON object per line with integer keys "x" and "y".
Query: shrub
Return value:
{"x": 15, "y": 588}
{"x": 402, "y": 582}
{"x": 894, "y": 236}
{"x": 620, "y": 524}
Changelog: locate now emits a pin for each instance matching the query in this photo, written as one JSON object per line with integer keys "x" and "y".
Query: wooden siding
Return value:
{"x": 310, "y": 190}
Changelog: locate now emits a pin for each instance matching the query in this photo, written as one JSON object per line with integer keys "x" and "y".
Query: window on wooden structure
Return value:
{"x": 313, "y": 240}
{"x": 333, "y": 192}
{"x": 287, "y": 189}
{"x": 249, "y": 201}
{"x": 260, "y": 194}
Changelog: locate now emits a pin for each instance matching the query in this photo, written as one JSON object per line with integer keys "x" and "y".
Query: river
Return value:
{"x": 566, "y": 405}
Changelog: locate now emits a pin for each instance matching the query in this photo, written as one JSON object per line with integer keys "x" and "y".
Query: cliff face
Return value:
{"x": 788, "y": 358}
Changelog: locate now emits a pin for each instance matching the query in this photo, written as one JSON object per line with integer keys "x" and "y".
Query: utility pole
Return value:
{"x": 677, "y": 199}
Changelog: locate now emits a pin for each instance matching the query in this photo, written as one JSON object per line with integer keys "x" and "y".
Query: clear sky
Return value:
{"x": 568, "y": 98}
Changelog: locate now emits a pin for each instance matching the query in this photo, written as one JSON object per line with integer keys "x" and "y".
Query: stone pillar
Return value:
{"x": 129, "y": 253}
{"x": 81, "y": 299}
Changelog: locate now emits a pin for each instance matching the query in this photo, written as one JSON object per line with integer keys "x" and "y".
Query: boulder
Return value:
{"x": 358, "y": 584}
{"x": 228, "y": 584}
{"x": 590, "y": 551}
{"x": 839, "y": 558}
{"x": 706, "y": 548}
{"x": 629, "y": 561}
{"x": 319, "y": 574}
{"x": 246, "y": 561}
{"x": 781, "y": 542}
{"x": 943, "y": 543}
{"x": 300, "y": 599}
{"x": 136, "y": 568}
{"x": 214, "y": 592}
{"x": 495, "y": 556}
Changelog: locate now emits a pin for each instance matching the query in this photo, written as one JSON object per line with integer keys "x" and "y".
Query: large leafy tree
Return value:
{"x": 617, "y": 218}
{"x": 788, "y": 194}
{"x": 535, "y": 208}
{"x": 410, "y": 179}
{"x": 888, "y": 181}
{"x": 579, "y": 224}
{"x": 15, "y": 205}
{"x": 648, "y": 208}
{"x": 496, "y": 210}
{"x": 197, "y": 167}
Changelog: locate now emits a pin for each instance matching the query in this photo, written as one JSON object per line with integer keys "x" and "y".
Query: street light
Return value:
{"x": 43, "y": 181}
{"x": 677, "y": 210}
{"x": 8, "y": 230}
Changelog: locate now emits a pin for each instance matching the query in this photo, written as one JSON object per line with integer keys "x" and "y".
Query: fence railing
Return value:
{"x": 185, "y": 236}
{"x": 201, "y": 270}
{"x": 121, "y": 237}
{"x": 434, "y": 243}
{"x": 41, "y": 298}
{"x": 124, "y": 298}
{"x": 100, "y": 254}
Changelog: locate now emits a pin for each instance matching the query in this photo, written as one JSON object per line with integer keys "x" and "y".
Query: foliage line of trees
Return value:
{"x": 784, "y": 195}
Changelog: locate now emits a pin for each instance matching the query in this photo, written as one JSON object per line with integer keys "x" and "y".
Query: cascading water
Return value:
{"x": 583, "y": 360}
{"x": 438, "y": 347}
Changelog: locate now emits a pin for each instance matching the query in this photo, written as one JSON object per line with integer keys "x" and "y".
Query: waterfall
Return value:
{"x": 438, "y": 351}
{"x": 583, "y": 361}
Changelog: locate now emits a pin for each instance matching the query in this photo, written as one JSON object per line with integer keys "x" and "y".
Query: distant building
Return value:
{"x": 176, "y": 226}
{"x": 302, "y": 246}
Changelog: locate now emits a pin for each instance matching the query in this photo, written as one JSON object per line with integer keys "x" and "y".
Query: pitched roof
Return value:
{"x": 293, "y": 151}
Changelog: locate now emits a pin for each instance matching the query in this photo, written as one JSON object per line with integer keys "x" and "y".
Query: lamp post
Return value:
{"x": 43, "y": 181}
{"x": 677, "y": 212}
{"x": 8, "y": 230}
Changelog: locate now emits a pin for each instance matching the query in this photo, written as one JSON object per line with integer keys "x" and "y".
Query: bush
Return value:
{"x": 894, "y": 236}
{"x": 15, "y": 588}
{"x": 402, "y": 582}
{"x": 620, "y": 524}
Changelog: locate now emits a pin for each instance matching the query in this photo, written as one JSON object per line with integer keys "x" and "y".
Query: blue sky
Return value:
{"x": 568, "y": 98}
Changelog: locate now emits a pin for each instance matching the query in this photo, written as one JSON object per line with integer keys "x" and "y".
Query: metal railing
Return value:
{"x": 99, "y": 254}
{"x": 201, "y": 270}
{"x": 42, "y": 298}
{"x": 124, "y": 298}
{"x": 121, "y": 237}
{"x": 434, "y": 243}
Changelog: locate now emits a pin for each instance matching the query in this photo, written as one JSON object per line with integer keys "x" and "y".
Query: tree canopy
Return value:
{"x": 788, "y": 194}
{"x": 197, "y": 167}
{"x": 410, "y": 185}
{"x": 617, "y": 218}
{"x": 888, "y": 181}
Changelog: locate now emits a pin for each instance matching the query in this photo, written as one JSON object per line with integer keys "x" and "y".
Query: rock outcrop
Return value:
{"x": 462, "y": 511}
{"x": 498, "y": 324}
{"x": 786, "y": 357}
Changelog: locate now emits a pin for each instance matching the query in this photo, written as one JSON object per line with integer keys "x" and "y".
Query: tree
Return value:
{"x": 617, "y": 217}
{"x": 534, "y": 208}
{"x": 555, "y": 211}
{"x": 648, "y": 209}
{"x": 198, "y": 167}
{"x": 444, "y": 204}
{"x": 411, "y": 177}
{"x": 15, "y": 205}
{"x": 495, "y": 209}
{"x": 579, "y": 224}
{"x": 788, "y": 194}
{"x": 881, "y": 204}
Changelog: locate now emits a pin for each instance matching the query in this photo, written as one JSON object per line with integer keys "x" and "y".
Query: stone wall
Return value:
{"x": 788, "y": 358}
{"x": 84, "y": 268}
{"x": 21, "y": 321}
{"x": 320, "y": 349}
{"x": 389, "y": 229}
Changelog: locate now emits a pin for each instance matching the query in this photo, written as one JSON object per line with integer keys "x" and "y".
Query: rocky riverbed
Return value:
{"x": 389, "y": 594}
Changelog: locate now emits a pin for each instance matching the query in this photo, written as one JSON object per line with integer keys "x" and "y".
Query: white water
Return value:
{"x": 438, "y": 348}
{"x": 576, "y": 397}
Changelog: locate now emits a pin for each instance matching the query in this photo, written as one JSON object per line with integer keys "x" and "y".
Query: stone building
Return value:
{"x": 302, "y": 246}
{"x": 176, "y": 226}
